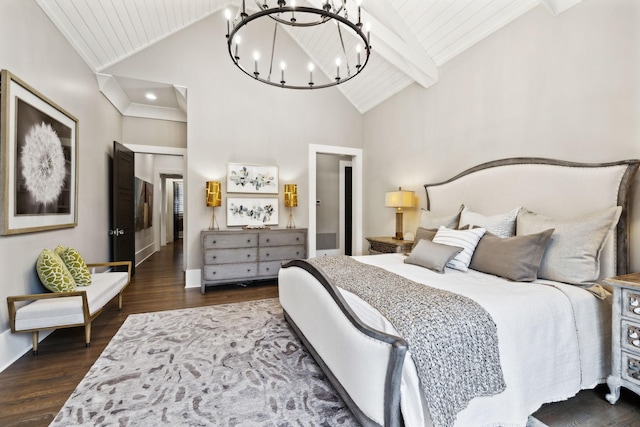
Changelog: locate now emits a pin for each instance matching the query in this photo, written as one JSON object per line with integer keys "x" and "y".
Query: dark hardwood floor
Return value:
{"x": 34, "y": 388}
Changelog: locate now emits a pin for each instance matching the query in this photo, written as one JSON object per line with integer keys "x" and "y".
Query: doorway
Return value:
{"x": 355, "y": 157}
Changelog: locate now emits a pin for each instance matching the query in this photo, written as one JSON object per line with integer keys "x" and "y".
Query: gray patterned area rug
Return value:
{"x": 224, "y": 365}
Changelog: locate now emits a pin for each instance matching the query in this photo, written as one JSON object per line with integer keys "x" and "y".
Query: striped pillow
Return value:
{"x": 465, "y": 239}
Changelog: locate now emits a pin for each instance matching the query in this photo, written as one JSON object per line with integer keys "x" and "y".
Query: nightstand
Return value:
{"x": 388, "y": 245}
{"x": 625, "y": 337}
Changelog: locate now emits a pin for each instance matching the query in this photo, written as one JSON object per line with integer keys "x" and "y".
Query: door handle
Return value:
{"x": 116, "y": 232}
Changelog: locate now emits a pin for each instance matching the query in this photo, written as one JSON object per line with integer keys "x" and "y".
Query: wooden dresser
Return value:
{"x": 234, "y": 256}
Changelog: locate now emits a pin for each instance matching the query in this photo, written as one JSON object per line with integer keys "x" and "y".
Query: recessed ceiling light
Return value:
{"x": 150, "y": 96}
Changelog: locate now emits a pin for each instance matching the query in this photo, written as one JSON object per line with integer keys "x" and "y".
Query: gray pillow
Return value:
{"x": 423, "y": 233}
{"x": 573, "y": 252}
{"x": 430, "y": 220}
{"x": 501, "y": 225}
{"x": 515, "y": 258}
{"x": 433, "y": 256}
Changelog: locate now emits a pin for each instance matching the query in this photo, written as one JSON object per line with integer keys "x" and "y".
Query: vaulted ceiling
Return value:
{"x": 410, "y": 38}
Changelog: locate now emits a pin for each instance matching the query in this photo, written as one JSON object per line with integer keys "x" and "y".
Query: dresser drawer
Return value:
{"x": 229, "y": 271}
{"x": 230, "y": 240}
{"x": 282, "y": 239}
{"x": 269, "y": 268}
{"x": 631, "y": 368}
{"x": 215, "y": 256}
{"x": 630, "y": 338}
{"x": 280, "y": 253}
{"x": 630, "y": 303}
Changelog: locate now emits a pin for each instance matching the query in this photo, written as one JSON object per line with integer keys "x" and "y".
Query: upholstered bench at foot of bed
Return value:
{"x": 69, "y": 309}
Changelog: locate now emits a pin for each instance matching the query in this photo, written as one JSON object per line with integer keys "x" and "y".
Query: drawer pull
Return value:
{"x": 633, "y": 334}
{"x": 248, "y": 240}
{"x": 267, "y": 254}
{"x": 214, "y": 272}
{"x": 268, "y": 240}
{"x": 297, "y": 253}
{"x": 297, "y": 239}
{"x": 248, "y": 270}
{"x": 267, "y": 268}
{"x": 636, "y": 343}
{"x": 215, "y": 241}
{"x": 214, "y": 257}
{"x": 633, "y": 302}
{"x": 636, "y": 310}
{"x": 248, "y": 255}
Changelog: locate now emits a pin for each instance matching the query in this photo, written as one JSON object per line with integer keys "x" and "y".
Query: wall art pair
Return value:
{"x": 252, "y": 179}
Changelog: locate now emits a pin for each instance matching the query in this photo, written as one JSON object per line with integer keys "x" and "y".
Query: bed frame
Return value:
{"x": 369, "y": 379}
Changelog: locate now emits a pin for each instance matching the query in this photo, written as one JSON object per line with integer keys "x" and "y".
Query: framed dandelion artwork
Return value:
{"x": 39, "y": 160}
{"x": 254, "y": 212}
{"x": 242, "y": 178}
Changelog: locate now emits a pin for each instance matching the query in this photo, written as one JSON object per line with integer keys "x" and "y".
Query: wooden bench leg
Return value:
{"x": 34, "y": 342}
{"x": 87, "y": 334}
{"x": 120, "y": 301}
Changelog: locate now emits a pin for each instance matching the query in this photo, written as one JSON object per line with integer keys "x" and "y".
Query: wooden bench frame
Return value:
{"x": 88, "y": 318}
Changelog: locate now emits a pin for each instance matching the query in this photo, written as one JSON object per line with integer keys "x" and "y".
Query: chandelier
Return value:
{"x": 344, "y": 45}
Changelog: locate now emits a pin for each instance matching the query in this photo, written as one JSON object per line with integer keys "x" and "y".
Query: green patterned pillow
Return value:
{"x": 53, "y": 274}
{"x": 75, "y": 264}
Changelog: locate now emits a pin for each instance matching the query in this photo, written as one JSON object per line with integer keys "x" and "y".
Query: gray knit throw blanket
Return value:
{"x": 453, "y": 340}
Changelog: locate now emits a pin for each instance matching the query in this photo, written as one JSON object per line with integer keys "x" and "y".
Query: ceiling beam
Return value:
{"x": 558, "y": 6}
{"x": 391, "y": 39}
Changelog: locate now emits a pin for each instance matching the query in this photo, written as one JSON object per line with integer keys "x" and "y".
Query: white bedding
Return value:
{"x": 553, "y": 341}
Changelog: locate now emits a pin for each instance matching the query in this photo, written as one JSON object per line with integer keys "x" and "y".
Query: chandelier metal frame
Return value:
{"x": 275, "y": 13}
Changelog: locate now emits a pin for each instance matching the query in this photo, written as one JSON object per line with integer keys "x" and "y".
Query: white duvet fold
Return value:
{"x": 553, "y": 341}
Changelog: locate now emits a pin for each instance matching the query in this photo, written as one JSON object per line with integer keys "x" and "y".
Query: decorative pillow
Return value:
{"x": 573, "y": 252}
{"x": 501, "y": 225}
{"x": 422, "y": 234}
{"x": 53, "y": 273}
{"x": 515, "y": 258}
{"x": 433, "y": 256}
{"x": 431, "y": 220}
{"x": 75, "y": 264}
{"x": 465, "y": 239}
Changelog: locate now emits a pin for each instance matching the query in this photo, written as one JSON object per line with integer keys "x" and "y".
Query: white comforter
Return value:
{"x": 553, "y": 341}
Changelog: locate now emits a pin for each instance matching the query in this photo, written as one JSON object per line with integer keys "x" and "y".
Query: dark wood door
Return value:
{"x": 348, "y": 210}
{"x": 122, "y": 201}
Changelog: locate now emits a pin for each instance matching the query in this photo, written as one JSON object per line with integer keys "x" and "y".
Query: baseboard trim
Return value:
{"x": 14, "y": 346}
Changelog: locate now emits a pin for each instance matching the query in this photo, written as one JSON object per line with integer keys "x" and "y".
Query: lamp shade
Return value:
{"x": 399, "y": 199}
{"x": 290, "y": 195}
{"x": 213, "y": 193}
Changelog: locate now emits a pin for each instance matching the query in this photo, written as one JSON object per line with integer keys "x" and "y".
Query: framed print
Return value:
{"x": 39, "y": 160}
{"x": 143, "y": 204}
{"x": 242, "y": 178}
{"x": 245, "y": 211}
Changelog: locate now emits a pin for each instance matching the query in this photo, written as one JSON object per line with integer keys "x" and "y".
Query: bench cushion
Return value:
{"x": 56, "y": 312}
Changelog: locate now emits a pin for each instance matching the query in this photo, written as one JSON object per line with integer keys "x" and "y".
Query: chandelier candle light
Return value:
{"x": 213, "y": 199}
{"x": 290, "y": 201}
{"x": 399, "y": 199}
{"x": 351, "y": 45}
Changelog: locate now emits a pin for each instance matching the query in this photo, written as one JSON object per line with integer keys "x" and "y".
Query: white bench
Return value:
{"x": 68, "y": 309}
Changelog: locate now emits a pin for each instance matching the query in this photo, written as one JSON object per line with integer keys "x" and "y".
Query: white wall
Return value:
{"x": 164, "y": 133}
{"x": 232, "y": 118}
{"x": 35, "y": 51}
{"x": 565, "y": 87}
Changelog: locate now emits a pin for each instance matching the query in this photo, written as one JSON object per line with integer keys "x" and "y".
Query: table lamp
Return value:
{"x": 399, "y": 199}
{"x": 213, "y": 199}
{"x": 290, "y": 201}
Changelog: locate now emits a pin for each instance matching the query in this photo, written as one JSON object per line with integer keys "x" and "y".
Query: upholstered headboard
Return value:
{"x": 553, "y": 188}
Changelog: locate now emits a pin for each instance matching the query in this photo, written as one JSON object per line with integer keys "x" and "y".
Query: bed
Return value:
{"x": 548, "y": 339}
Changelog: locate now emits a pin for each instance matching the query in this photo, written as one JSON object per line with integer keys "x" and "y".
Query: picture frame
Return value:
{"x": 38, "y": 161}
{"x": 143, "y": 204}
{"x": 243, "y": 211}
{"x": 244, "y": 178}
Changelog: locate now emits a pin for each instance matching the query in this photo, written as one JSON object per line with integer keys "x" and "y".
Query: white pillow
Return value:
{"x": 465, "y": 239}
{"x": 430, "y": 220}
{"x": 501, "y": 225}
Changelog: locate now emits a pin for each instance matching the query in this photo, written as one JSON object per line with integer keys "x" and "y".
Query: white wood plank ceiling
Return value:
{"x": 410, "y": 38}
